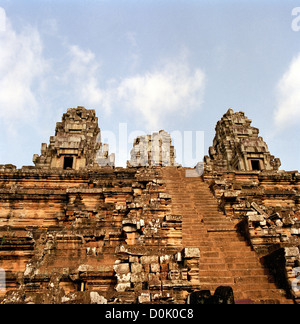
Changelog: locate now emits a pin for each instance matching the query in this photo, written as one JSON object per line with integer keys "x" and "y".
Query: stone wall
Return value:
{"x": 284, "y": 263}
{"x": 66, "y": 223}
{"x": 265, "y": 205}
{"x": 74, "y": 229}
{"x": 64, "y": 235}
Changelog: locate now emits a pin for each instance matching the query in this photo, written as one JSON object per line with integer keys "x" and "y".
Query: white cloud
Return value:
{"x": 2, "y": 20}
{"x": 83, "y": 76}
{"x": 163, "y": 93}
{"x": 288, "y": 110}
{"x": 21, "y": 67}
{"x": 134, "y": 56}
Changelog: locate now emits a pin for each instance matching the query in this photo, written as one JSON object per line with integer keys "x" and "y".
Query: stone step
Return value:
{"x": 198, "y": 232}
{"x": 262, "y": 296}
{"x": 210, "y": 269}
{"x": 216, "y": 218}
{"x": 225, "y": 257}
{"x": 231, "y": 260}
{"x": 191, "y": 221}
{"x": 238, "y": 254}
{"x": 244, "y": 265}
{"x": 218, "y": 225}
{"x": 219, "y": 229}
{"x": 245, "y": 279}
{"x": 211, "y": 261}
{"x": 261, "y": 288}
{"x": 221, "y": 281}
{"x": 217, "y": 273}
{"x": 224, "y": 239}
{"x": 208, "y": 203}
{"x": 233, "y": 247}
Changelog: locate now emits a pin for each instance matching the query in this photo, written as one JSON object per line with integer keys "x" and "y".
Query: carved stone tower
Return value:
{"x": 153, "y": 150}
{"x": 237, "y": 146}
{"x": 76, "y": 144}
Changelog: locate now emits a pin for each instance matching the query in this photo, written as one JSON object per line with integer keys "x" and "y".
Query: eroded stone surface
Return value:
{"x": 76, "y": 144}
{"x": 74, "y": 229}
{"x": 153, "y": 150}
{"x": 237, "y": 146}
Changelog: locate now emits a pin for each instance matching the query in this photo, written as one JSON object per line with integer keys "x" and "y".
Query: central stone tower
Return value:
{"x": 153, "y": 150}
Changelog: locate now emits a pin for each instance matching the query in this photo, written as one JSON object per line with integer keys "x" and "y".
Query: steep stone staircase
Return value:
{"x": 226, "y": 258}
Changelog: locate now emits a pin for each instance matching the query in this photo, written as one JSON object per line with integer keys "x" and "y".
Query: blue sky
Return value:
{"x": 172, "y": 64}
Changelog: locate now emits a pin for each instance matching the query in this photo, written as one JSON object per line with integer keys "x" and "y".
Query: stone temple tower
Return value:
{"x": 76, "y": 144}
{"x": 153, "y": 150}
{"x": 238, "y": 147}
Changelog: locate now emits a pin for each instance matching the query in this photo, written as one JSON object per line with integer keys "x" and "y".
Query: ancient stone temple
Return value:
{"x": 237, "y": 146}
{"x": 76, "y": 231}
{"x": 76, "y": 144}
{"x": 153, "y": 150}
